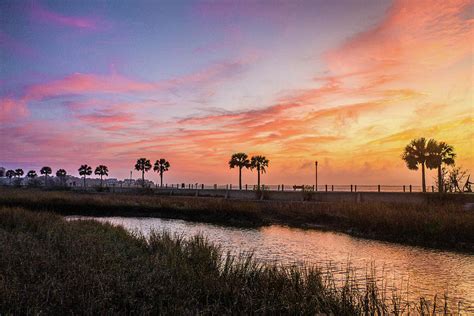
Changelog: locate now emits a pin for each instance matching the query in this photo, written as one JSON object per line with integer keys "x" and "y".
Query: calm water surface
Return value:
{"x": 424, "y": 272}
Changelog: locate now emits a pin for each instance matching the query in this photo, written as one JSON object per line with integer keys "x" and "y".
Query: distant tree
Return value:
{"x": 161, "y": 166}
{"x": 101, "y": 171}
{"x": 84, "y": 171}
{"x": 259, "y": 163}
{"x": 240, "y": 160}
{"x": 143, "y": 165}
{"x": 416, "y": 153}
{"x": 439, "y": 154}
{"x": 19, "y": 173}
{"x": 10, "y": 174}
{"x": 61, "y": 174}
{"x": 46, "y": 171}
{"x": 31, "y": 174}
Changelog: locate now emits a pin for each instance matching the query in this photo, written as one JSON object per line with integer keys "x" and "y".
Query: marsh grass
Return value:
{"x": 52, "y": 266}
{"x": 439, "y": 225}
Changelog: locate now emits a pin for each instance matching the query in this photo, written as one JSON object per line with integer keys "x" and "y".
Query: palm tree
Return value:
{"x": 259, "y": 163}
{"x": 143, "y": 165}
{"x": 10, "y": 174}
{"x": 101, "y": 171}
{"x": 85, "y": 170}
{"x": 19, "y": 173}
{"x": 161, "y": 166}
{"x": 46, "y": 171}
{"x": 31, "y": 174}
{"x": 439, "y": 154}
{"x": 240, "y": 160}
{"x": 416, "y": 153}
{"x": 61, "y": 174}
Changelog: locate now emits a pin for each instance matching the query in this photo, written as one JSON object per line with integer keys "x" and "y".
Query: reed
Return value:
{"x": 51, "y": 266}
{"x": 439, "y": 225}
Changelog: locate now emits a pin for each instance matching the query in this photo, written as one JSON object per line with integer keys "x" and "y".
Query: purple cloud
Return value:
{"x": 45, "y": 15}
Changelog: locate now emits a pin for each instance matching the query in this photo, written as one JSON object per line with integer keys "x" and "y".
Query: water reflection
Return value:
{"x": 424, "y": 272}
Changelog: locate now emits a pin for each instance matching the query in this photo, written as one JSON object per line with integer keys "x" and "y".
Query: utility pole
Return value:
{"x": 316, "y": 175}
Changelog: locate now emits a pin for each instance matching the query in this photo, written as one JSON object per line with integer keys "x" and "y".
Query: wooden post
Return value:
{"x": 351, "y": 187}
{"x": 326, "y": 187}
{"x": 332, "y": 187}
{"x": 231, "y": 186}
{"x": 246, "y": 187}
{"x": 378, "y": 188}
{"x": 432, "y": 188}
{"x": 355, "y": 188}
{"x": 410, "y": 188}
{"x": 283, "y": 187}
{"x": 403, "y": 188}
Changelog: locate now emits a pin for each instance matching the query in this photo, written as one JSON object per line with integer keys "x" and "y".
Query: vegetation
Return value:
{"x": 46, "y": 171}
{"x": 259, "y": 163}
{"x": 31, "y": 174}
{"x": 440, "y": 224}
{"x": 430, "y": 154}
{"x": 143, "y": 165}
{"x": 19, "y": 173}
{"x": 51, "y": 266}
{"x": 161, "y": 166}
{"x": 440, "y": 154}
{"x": 101, "y": 171}
{"x": 61, "y": 174}
{"x": 84, "y": 171}
{"x": 240, "y": 160}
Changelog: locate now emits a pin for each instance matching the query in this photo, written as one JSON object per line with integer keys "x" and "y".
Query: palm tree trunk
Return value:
{"x": 84, "y": 181}
{"x": 161, "y": 179}
{"x": 101, "y": 181}
{"x": 240, "y": 178}
{"x": 143, "y": 178}
{"x": 45, "y": 180}
{"x": 258, "y": 179}
{"x": 440, "y": 180}
{"x": 423, "y": 183}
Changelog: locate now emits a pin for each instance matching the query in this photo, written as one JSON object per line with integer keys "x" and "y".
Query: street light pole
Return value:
{"x": 316, "y": 175}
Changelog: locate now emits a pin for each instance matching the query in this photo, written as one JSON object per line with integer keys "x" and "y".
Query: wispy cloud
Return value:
{"x": 42, "y": 14}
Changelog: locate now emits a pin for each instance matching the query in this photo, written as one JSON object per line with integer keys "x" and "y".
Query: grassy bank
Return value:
{"x": 445, "y": 225}
{"x": 51, "y": 266}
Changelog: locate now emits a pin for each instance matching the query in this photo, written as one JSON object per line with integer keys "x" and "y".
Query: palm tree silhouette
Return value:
{"x": 10, "y": 174}
{"x": 85, "y": 170}
{"x": 31, "y": 174}
{"x": 416, "y": 153}
{"x": 240, "y": 160}
{"x": 259, "y": 163}
{"x": 61, "y": 174}
{"x": 19, "y": 173}
{"x": 46, "y": 171}
{"x": 101, "y": 171}
{"x": 439, "y": 154}
{"x": 143, "y": 165}
{"x": 161, "y": 166}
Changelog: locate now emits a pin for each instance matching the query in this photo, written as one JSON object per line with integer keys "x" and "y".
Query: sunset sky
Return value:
{"x": 348, "y": 83}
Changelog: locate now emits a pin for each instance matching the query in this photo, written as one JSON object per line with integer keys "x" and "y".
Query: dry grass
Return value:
{"x": 51, "y": 266}
{"x": 442, "y": 225}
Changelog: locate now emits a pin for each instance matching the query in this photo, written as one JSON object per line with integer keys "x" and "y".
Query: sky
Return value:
{"x": 347, "y": 83}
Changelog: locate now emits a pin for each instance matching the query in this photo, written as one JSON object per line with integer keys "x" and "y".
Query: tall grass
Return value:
{"x": 441, "y": 225}
{"x": 51, "y": 266}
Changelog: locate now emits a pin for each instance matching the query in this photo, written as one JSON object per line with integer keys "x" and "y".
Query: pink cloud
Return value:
{"x": 48, "y": 16}
{"x": 88, "y": 83}
{"x": 411, "y": 35}
{"x": 12, "y": 110}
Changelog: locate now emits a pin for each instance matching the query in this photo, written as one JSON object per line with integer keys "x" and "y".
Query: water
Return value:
{"x": 411, "y": 271}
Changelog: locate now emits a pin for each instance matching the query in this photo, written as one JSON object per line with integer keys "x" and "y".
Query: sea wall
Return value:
{"x": 391, "y": 197}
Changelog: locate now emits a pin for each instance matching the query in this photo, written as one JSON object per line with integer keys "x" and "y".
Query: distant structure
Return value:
{"x": 2, "y": 172}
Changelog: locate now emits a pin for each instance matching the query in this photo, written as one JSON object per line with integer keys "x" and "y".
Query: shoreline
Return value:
{"x": 444, "y": 226}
